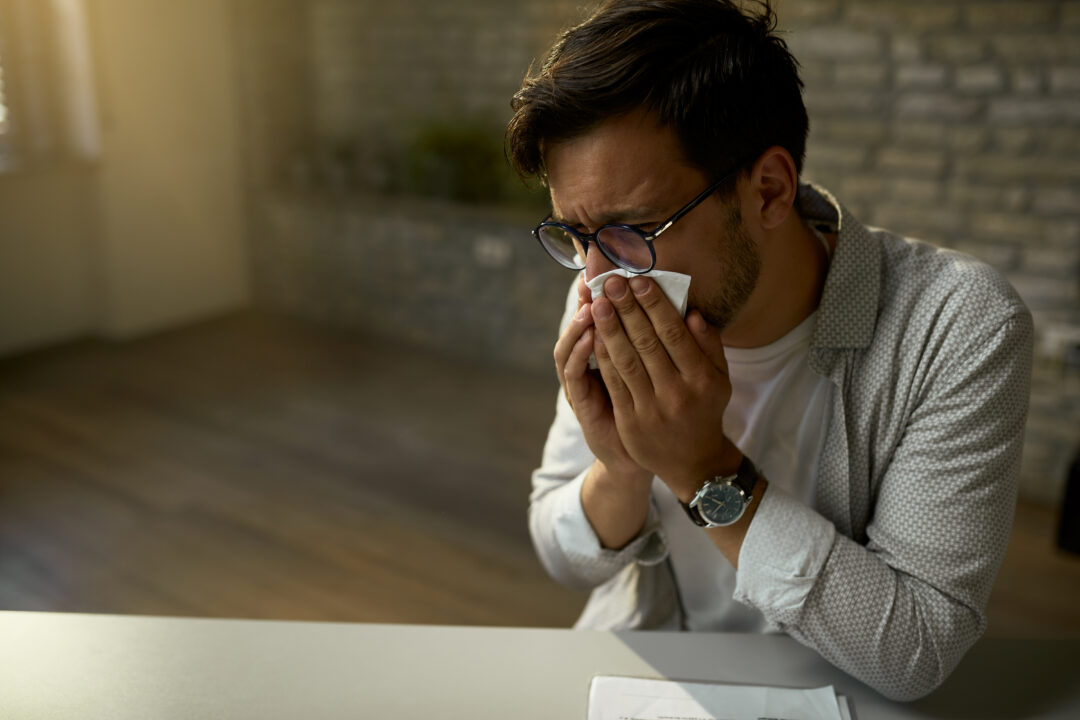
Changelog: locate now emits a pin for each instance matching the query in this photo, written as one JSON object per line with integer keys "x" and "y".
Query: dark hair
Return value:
{"x": 719, "y": 77}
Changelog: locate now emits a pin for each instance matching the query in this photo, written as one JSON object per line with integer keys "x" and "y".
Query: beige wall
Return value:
{"x": 47, "y": 290}
{"x": 171, "y": 209}
{"x": 154, "y": 234}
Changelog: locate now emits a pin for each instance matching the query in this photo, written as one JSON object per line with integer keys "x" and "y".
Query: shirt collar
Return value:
{"x": 847, "y": 312}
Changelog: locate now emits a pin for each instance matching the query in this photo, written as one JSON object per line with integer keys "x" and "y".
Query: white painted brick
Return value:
{"x": 866, "y": 132}
{"x": 979, "y": 79}
{"x": 1050, "y": 261}
{"x": 1042, "y": 292}
{"x": 919, "y": 134}
{"x": 956, "y": 48}
{"x": 920, "y": 16}
{"x": 967, "y": 138}
{"x": 1065, "y": 79}
{"x": 1063, "y": 233}
{"x": 921, "y": 191}
{"x": 1001, "y": 256}
{"x": 1014, "y": 139}
{"x": 1009, "y": 15}
{"x": 1027, "y": 81}
{"x": 870, "y": 187}
{"x": 906, "y": 48}
{"x": 836, "y": 155}
{"x": 974, "y": 196}
{"x": 1017, "y": 198}
{"x": 920, "y": 76}
{"x": 936, "y": 105}
{"x": 799, "y": 12}
{"x": 873, "y": 75}
{"x": 918, "y": 220}
{"x": 1004, "y": 226}
{"x": 997, "y": 166}
{"x": 893, "y": 160}
{"x": 1035, "y": 47}
{"x": 1060, "y": 140}
{"x": 1057, "y": 200}
{"x": 841, "y": 102}
{"x": 836, "y": 42}
{"x": 1028, "y": 110}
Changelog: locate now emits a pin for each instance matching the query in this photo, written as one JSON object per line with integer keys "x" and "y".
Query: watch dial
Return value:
{"x": 722, "y": 504}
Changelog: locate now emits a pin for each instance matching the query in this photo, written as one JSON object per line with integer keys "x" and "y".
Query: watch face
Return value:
{"x": 722, "y": 504}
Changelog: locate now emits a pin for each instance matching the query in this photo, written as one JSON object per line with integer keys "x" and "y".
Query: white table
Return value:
{"x": 56, "y": 666}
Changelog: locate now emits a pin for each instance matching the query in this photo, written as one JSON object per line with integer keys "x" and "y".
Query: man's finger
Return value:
{"x": 639, "y": 329}
{"x": 708, "y": 339}
{"x": 570, "y": 337}
{"x": 575, "y": 378}
{"x": 673, "y": 339}
{"x": 622, "y": 400}
{"x": 621, "y": 353}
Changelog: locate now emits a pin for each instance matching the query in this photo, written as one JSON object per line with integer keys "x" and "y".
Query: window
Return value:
{"x": 5, "y": 116}
{"x": 48, "y": 109}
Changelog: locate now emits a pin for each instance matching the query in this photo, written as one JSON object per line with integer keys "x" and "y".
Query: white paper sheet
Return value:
{"x": 623, "y": 698}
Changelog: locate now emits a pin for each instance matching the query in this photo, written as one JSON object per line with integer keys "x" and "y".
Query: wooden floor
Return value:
{"x": 260, "y": 467}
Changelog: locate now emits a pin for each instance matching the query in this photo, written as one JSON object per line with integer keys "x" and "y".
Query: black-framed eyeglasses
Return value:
{"x": 626, "y": 246}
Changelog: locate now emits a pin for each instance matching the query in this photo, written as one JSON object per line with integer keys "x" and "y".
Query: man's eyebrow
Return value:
{"x": 623, "y": 216}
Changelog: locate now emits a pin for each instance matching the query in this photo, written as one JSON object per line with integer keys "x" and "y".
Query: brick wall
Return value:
{"x": 958, "y": 122}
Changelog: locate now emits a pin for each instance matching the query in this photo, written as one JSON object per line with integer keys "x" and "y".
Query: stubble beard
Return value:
{"x": 742, "y": 267}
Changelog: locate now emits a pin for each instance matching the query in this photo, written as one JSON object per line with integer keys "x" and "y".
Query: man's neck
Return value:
{"x": 794, "y": 265}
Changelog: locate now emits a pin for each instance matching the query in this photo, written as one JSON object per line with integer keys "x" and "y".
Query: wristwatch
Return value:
{"x": 724, "y": 499}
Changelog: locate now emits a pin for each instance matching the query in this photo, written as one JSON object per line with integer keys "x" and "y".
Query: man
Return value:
{"x": 828, "y": 443}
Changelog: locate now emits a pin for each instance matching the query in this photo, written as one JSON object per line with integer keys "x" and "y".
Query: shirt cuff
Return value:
{"x": 575, "y": 535}
{"x": 782, "y": 556}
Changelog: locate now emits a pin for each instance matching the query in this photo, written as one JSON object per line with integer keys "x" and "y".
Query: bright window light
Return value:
{"x": 3, "y": 107}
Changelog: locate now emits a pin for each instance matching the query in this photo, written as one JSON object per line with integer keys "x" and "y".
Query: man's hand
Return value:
{"x": 615, "y": 494}
{"x": 586, "y": 393}
{"x": 667, "y": 383}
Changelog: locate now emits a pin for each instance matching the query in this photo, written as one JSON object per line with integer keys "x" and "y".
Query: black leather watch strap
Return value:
{"x": 694, "y": 514}
{"x": 746, "y": 476}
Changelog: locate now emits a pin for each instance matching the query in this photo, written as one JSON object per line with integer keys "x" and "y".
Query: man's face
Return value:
{"x": 631, "y": 171}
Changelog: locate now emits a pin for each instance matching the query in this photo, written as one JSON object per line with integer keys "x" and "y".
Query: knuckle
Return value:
{"x": 646, "y": 343}
{"x": 671, "y": 335}
{"x": 628, "y": 367}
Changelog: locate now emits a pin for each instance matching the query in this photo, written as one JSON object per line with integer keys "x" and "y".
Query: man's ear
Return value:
{"x": 775, "y": 184}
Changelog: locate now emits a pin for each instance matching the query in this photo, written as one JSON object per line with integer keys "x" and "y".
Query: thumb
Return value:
{"x": 707, "y": 338}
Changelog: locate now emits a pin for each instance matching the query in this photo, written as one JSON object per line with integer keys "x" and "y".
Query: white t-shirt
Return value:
{"x": 777, "y": 416}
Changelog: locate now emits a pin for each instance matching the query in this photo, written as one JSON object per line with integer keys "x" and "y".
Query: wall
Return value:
{"x": 380, "y": 67}
{"x": 327, "y": 242}
{"x": 458, "y": 280}
{"x": 153, "y": 233}
{"x": 47, "y": 276}
{"x": 171, "y": 207}
{"x": 959, "y": 122}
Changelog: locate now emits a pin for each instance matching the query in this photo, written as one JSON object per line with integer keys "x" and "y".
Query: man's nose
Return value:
{"x": 596, "y": 263}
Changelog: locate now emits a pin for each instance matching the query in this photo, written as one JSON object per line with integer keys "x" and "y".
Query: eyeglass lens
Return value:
{"x": 625, "y": 247}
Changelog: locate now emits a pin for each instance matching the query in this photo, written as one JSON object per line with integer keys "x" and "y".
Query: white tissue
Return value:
{"x": 675, "y": 285}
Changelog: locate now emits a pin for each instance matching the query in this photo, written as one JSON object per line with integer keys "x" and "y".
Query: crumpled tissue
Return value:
{"x": 675, "y": 285}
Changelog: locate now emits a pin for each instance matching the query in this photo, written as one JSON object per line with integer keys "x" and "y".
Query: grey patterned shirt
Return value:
{"x": 888, "y": 576}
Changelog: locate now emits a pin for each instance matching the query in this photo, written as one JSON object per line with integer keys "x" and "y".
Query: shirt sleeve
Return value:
{"x": 899, "y": 610}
